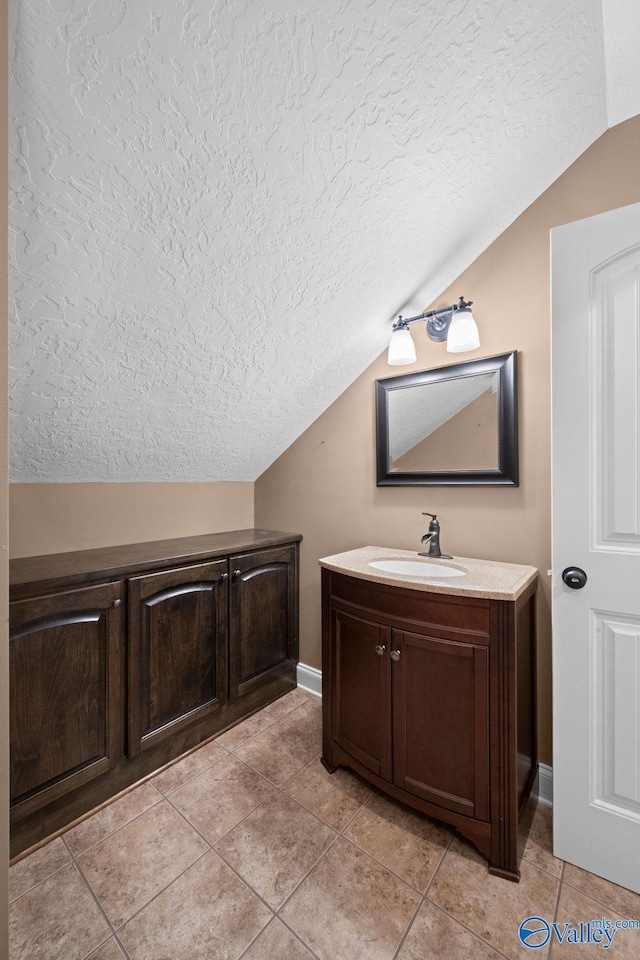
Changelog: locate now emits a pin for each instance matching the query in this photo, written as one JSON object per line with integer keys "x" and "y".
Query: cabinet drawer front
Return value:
{"x": 450, "y": 616}
{"x": 177, "y": 643}
{"x": 440, "y": 722}
{"x": 66, "y": 689}
{"x": 361, "y": 694}
{"x": 262, "y": 616}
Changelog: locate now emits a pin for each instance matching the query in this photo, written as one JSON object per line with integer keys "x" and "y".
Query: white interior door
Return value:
{"x": 596, "y": 527}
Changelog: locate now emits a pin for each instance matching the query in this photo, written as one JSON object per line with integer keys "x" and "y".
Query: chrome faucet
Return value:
{"x": 433, "y": 539}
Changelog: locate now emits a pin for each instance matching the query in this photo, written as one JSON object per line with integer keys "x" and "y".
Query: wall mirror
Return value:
{"x": 453, "y": 426}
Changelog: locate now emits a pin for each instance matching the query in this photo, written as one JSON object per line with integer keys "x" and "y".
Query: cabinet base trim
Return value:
{"x": 310, "y": 679}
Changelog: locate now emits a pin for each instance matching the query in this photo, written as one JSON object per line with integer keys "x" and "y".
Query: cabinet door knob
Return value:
{"x": 117, "y": 603}
{"x": 224, "y": 576}
{"x": 395, "y": 655}
{"x": 380, "y": 649}
{"x": 236, "y": 574}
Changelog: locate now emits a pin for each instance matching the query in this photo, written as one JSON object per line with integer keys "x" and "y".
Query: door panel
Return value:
{"x": 263, "y": 617}
{"x": 361, "y": 691}
{"x": 66, "y": 690}
{"x": 596, "y": 526}
{"x": 177, "y": 664}
{"x": 440, "y": 722}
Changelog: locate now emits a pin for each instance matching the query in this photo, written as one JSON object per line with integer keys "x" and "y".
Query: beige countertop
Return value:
{"x": 481, "y": 578}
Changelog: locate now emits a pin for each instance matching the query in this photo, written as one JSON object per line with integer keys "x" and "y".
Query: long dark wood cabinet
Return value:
{"x": 123, "y": 658}
{"x": 431, "y": 697}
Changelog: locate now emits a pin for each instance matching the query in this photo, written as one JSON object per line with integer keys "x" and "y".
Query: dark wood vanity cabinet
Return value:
{"x": 67, "y": 687}
{"x": 123, "y": 658}
{"x": 431, "y": 697}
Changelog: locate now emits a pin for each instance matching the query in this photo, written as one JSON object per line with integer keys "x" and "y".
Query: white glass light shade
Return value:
{"x": 401, "y": 348}
{"x": 463, "y": 332}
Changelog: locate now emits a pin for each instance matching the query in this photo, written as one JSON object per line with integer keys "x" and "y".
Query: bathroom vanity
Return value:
{"x": 124, "y": 658}
{"x": 429, "y": 688}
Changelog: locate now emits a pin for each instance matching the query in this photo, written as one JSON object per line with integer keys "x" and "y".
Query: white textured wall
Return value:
{"x": 218, "y": 206}
{"x": 621, "y": 20}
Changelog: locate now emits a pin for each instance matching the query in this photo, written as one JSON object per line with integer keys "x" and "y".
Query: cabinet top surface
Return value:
{"x": 487, "y": 579}
{"x": 109, "y": 562}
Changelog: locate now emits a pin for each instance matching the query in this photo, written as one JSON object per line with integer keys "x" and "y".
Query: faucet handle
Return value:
{"x": 429, "y": 515}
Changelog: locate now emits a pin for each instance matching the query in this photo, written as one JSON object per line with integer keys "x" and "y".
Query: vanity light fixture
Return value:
{"x": 454, "y": 324}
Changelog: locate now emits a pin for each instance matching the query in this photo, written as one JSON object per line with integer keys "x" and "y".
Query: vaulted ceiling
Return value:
{"x": 217, "y": 206}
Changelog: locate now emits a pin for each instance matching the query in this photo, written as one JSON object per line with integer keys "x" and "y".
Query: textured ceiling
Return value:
{"x": 217, "y": 207}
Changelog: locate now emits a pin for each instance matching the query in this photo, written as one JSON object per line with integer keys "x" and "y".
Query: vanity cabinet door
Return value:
{"x": 361, "y": 691}
{"x": 67, "y": 692}
{"x": 177, "y": 650}
{"x": 262, "y": 617}
{"x": 440, "y": 722}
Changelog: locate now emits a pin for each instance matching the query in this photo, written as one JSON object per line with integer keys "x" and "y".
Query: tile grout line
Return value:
{"x": 557, "y": 907}
{"x": 590, "y": 896}
{"x": 39, "y": 882}
{"x": 156, "y": 895}
{"x": 461, "y": 923}
{"x": 298, "y": 937}
{"x": 427, "y": 899}
{"x": 113, "y": 933}
{"x": 113, "y": 832}
{"x": 544, "y": 869}
{"x": 423, "y": 898}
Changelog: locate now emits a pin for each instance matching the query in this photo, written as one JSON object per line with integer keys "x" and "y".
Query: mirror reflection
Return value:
{"x": 451, "y": 425}
{"x": 456, "y": 425}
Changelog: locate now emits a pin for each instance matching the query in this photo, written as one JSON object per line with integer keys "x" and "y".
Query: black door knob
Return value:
{"x": 574, "y": 577}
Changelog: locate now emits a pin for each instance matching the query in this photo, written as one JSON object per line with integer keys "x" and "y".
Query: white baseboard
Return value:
{"x": 310, "y": 679}
{"x": 545, "y": 785}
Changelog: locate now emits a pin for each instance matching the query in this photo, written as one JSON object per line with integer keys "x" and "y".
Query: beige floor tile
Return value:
{"x": 275, "y": 846}
{"x": 108, "y": 951}
{"x": 111, "y": 818}
{"x": 245, "y": 730}
{"x": 624, "y": 902}
{"x": 436, "y": 935}
{"x": 135, "y": 863}
{"x": 276, "y": 943}
{"x": 573, "y": 908}
{"x": 189, "y": 767}
{"x": 57, "y": 919}
{"x": 280, "y": 708}
{"x": 334, "y": 797}
{"x": 36, "y": 867}
{"x": 490, "y": 906}
{"x": 207, "y": 914}
{"x": 310, "y": 713}
{"x": 407, "y": 843}
{"x": 285, "y": 747}
{"x": 222, "y": 796}
{"x": 351, "y": 908}
{"x": 539, "y": 846}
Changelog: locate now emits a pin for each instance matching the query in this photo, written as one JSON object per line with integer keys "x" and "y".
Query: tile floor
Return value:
{"x": 248, "y": 849}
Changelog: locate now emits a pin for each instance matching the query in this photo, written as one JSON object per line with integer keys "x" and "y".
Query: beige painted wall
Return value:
{"x": 4, "y": 575}
{"x": 57, "y": 517}
{"x": 324, "y": 485}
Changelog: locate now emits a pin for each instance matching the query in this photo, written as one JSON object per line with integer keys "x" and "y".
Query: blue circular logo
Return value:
{"x": 534, "y": 932}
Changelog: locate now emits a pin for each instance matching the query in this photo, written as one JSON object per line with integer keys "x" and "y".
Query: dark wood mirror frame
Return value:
{"x": 506, "y": 474}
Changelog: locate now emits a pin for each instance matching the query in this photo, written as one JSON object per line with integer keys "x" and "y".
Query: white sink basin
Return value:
{"x": 415, "y": 568}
